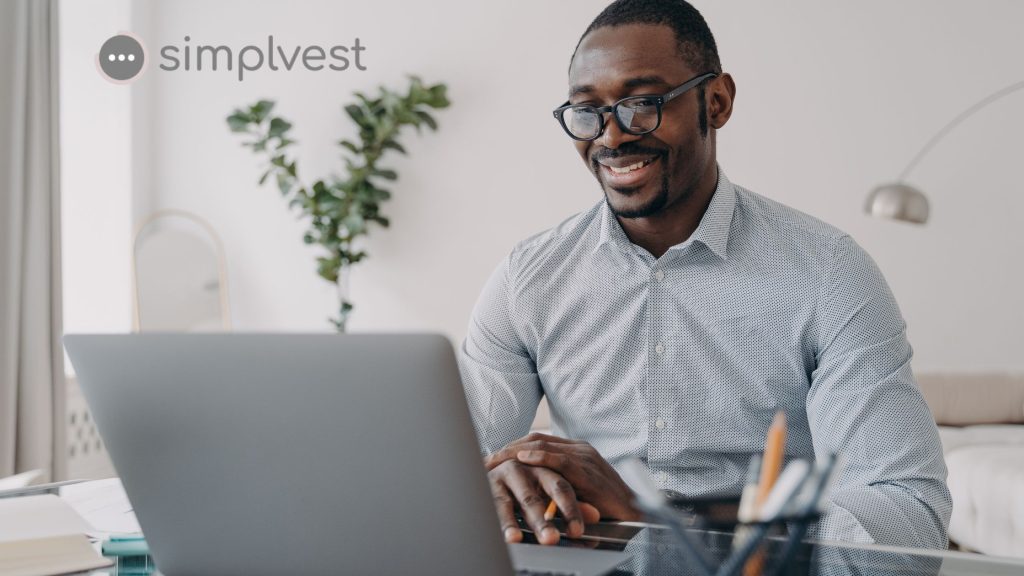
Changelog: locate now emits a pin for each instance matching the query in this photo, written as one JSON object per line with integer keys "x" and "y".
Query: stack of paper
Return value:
{"x": 104, "y": 505}
{"x": 43, "y": 536}
{"x": 21, "y": 480}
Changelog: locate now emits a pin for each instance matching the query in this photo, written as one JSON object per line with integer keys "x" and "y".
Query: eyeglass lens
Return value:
{"x": 637, "y": 115}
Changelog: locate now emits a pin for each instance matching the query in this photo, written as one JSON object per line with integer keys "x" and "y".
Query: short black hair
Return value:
{"x": 694, "y": 39}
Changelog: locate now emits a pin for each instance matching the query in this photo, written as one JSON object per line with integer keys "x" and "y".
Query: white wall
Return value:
{"x": 833, "y": 98}
{"x": 96, "y": 173}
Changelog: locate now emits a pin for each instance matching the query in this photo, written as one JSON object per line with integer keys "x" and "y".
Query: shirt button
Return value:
{"x": 659, "y": 424}
{"x": 660, "y": 275}
{"x": 659, "y": 348}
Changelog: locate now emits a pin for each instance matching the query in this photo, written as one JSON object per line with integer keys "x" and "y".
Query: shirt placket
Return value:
{"x": 658, "y": 371}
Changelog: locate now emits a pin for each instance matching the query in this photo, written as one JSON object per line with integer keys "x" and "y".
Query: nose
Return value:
{"x": 613, "y": 135}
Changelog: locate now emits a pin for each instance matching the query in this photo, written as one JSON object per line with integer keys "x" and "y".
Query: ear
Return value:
{"x": 719, "y": 96}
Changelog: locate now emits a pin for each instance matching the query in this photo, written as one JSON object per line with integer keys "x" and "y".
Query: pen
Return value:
{"x": 549, "y": 514}
{"x": 814, "y": 492}
{"x": 786, "y": 489}
{"x": 746, "y": 511}
{"x": 771, "y": 465}
{"x": 774, "y": 450}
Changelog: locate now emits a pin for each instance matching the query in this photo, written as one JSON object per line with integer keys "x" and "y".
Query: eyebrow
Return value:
{"x": 652, "y": 80}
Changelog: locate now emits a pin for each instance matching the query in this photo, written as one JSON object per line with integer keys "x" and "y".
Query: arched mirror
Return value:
{"x": 179, "y": 275}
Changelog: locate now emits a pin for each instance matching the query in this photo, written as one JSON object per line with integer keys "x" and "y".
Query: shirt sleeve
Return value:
{"x": 498, "y": 372}
{"x": 864, "y": 405}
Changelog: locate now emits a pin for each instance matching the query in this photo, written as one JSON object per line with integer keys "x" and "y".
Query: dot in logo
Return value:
{"x": 122, "y": 58}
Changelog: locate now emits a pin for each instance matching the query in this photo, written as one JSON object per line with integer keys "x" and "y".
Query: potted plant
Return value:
{"x": 341, "y": 209}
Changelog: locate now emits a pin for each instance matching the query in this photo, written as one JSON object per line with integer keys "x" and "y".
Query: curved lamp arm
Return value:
{"x": 998, "y": 94}
{"x": 903, "y": 202}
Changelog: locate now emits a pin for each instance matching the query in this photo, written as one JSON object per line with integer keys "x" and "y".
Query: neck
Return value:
{"x": 676, "y": 222}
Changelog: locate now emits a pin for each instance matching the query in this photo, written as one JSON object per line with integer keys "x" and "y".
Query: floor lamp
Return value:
{"x": 901, "y": 201}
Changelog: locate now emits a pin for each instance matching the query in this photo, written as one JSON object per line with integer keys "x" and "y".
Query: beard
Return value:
{"x": 652, "y": 207}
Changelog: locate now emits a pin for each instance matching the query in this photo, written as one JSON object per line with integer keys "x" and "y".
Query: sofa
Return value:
{"x": 981, "y": 424}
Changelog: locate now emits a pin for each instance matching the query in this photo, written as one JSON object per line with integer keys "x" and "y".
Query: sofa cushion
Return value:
{"x": 964, "y": 399}
{"x": 987, "y": 485}
{"x": 958, "y": 437}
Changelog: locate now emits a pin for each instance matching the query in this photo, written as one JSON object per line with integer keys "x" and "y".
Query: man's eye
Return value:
{"x": 642, "y": 104}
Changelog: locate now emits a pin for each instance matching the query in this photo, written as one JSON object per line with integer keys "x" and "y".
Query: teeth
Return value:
{"x": 627, "y": 169}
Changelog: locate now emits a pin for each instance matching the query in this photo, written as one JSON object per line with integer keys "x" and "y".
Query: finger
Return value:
{"x": 547, "y": 459}
{"x": 509, "y": 453}
{"x": 505, "y": 504}
{"x": 561, "y": 492}
{"x": 530, "y": 496}
{"x": 493, "y": 460}
{"x": 540, "y": 437}
{"x": 591, "y": 515}
{"x": 534, "y": 441}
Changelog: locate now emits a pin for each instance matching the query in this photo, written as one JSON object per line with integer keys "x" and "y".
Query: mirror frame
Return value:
{"x": 222, "y": 273}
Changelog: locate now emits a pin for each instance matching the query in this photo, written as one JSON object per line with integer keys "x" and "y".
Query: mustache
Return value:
{"x": 628, "y": 149}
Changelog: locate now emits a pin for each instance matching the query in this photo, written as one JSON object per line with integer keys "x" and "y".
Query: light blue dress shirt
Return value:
{"x": 683, "y": 360}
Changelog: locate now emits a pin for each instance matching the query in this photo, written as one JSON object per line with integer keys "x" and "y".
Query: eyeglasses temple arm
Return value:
{"x": 687, "y": 86}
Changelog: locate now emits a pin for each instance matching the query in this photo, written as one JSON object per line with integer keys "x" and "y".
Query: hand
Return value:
{"x": 513, "y": 483}
{"x": 592, "y": 478}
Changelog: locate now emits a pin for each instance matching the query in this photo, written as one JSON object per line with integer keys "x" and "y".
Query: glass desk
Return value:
{"x": 655, "y": 553}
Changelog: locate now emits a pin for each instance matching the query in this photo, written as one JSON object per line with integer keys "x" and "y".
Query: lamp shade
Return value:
{"x": 898, "y": 201}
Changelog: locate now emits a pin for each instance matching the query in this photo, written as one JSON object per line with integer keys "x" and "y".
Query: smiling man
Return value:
{"x": 674, "y": 318}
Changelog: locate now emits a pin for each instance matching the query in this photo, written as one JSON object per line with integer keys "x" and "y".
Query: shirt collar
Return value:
{"x": 713, "y": 230}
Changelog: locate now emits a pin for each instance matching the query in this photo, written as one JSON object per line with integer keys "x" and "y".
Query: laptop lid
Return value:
{"x": 267, "y": 454}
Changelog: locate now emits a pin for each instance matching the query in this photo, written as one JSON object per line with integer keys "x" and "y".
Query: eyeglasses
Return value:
{"x": 635, "y": 115}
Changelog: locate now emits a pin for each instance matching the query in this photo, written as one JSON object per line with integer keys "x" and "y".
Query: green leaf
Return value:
{"x": 264, "y": 177}
{"x": 239, "y": 121}
{"x": 357, "y": 115}
{"x": 439, "y": 96}
{"x": 385, "y": 173}
{"x": 427, "y": 119}
{"x": 259, "y": 111}
{"x": 328, "y": 268}
{"x": 393, "y": 145}
{"x": 349, "y": 145}
{"x": 278, "y": 160}
{"x": 284, "y": 182}
{"x": 355, "y": 224}
{"x": 278, "y": 127}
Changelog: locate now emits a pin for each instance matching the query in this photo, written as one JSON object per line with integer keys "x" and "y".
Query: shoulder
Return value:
{"x": 772, "y": 218}
{"x": 770, "y": 227}
{"x": 558, "y": 242}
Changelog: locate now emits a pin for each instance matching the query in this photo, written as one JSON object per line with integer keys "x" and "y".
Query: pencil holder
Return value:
{"x": 684, "y": 516}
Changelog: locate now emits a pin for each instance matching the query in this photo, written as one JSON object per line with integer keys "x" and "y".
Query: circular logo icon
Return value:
{"x": 122, "y": 58}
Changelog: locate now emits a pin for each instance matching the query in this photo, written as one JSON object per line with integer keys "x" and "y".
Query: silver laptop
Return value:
{"x": 256, "y": 454}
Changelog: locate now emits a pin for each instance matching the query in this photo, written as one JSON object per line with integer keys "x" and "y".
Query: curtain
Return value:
{"x": 31, "y": 358}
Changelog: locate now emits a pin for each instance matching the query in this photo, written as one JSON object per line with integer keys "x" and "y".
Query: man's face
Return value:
{"x": 640, "y": 175}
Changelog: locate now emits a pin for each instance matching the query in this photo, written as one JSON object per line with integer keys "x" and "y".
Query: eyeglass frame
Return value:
{"x": 659, "y": 101}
